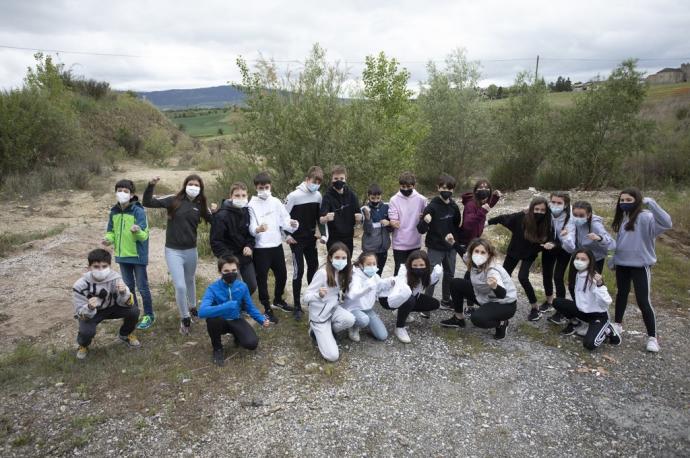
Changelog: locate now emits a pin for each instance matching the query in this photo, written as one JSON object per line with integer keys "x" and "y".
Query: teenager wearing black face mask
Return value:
{"x": 222, "y": 306}
{"x": 532, "y": 232}
{"x": 419, "y": 275}
{"x": 340, "y": 209}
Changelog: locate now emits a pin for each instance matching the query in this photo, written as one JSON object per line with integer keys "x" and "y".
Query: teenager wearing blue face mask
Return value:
{"x": 325, "y": 296}
{"x": 637, "y": 229}
{"x": 360, "y": 299}
{"x": 555, "y": 261}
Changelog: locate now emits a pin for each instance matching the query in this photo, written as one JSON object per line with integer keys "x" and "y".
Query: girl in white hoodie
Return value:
{"x": 591, "y": 303}
{"x": 360, "y": 299}
{"x": 325, "y": 296}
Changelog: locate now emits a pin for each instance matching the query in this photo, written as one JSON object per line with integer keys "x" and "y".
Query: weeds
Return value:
{"x": 10, "y": 242}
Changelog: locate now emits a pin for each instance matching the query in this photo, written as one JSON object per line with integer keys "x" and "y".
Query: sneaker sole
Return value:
{"x": 537, "y": 318}
{"x": 451, "y": 325}
{"x": 278, "y": 307}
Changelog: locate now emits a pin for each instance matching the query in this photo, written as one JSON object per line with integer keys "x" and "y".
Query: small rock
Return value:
{"x": 311, "y": 367}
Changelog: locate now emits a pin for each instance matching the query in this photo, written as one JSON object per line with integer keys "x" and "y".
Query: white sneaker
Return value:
{"x": 652, "y": 345}
{"x": 402, "y": 335}
{"x": 618, "y": 327}
{"x": 353, "y": 334}
{"x": 581, "y": 330}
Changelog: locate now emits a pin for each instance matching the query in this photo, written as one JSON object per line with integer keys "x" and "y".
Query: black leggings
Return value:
{"x": 381, "y": 261}
{"x": 273, "y": 259}
{"x": 509, "y": 265}
{"x": 598, "y": 322}
{"x": 641, "y": 278}
{"x": 598, "y": 267}
{"x": 418, "y": 303}
{"x": 488, "y": 315}
{"x": 300, "y": 253}
{"x": 400, "y": 256}
{"x": 240, "y": 329}
{"x": 554, "y": 263}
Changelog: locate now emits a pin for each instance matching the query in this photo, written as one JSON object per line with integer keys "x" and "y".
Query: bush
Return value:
{"x": 128, "y": 140}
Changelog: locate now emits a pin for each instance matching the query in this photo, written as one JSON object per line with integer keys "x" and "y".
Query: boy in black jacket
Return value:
{"x": 441, "y": 224}
{"x": 230, "y": 234}
{"x": 304, "y": 205}
{"x": 340, "y": 209}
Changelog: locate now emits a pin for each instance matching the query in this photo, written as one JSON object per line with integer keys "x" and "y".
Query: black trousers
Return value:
{"x": 273, "y": 259}
{"x": 302, "y": 252}
{"x": 381, "y": 261}
{"x": 418, "y": 303}
{"x": 346, "y": 240}
{"x": 641, "y": 279}
{"x": 598, "y": 322}
{"x": 240, "y": 329}
{"x": 488, "y": 315}
{"x": 509, "y": 265}
{"x": 87, "y": 328}
{"x": 400, "y": 256}
{"x": 554, "y": 263}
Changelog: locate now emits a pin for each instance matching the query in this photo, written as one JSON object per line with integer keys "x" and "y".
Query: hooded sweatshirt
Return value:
{"x": 304, "y": 206}
{"x": 505, "y": 292}
{"x": 364, "y": 290}
{"x": 473, "y": 218}
{"x": 129, "y": 247}
{"x": 595, "y": 299}
{"x": 557, "y": 225}
{"x": 519, "y": 247}
{"x": 321, "y": 308}
{"x": 436, "y": 274}
{"x": 577, "y": 238}
{"x": 376, "y": 238}
{"x": 445, "y": 219}
{"x": 345, "y": 206}
{"x": 228, "y": 301}
{"x": 230, "y": 232}
{"x": 406, "y": 210}
{"x": 105, "y": 290}
{"x": 271, "y": 212}
{"x": 637, "y": 248}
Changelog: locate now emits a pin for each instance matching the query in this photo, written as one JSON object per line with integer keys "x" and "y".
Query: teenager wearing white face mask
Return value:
{"x": 185, "y": 211}
{"x": 325, "y": 296}
{"x": 555, "y": 261}
{"x": 591, "y": 303}
{"x": 489, "y": 285}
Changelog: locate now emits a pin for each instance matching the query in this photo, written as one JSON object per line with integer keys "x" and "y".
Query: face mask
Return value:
{"x": 627, "y": 207}
{"x": 579, "y": 220}
{"x": 313, "y": 187}
{"x": 445, "y": 195}
{"x": 418, "y": 272}
{"x": 339, "y": 264}
{"x": 374, "y": 204}
{"x": 122, "y": 197}
{"x": 263, "y": 194}
{"x": 229, "y": 277}
{"x": 556, "y": 210}
{"x": 406, "y": 192}
{"x": 239, "y": 203}
{"x": 100, "y": 275}
{"x": 580, "y": 265}
{"x": 479, "y": 259}
{"x": 539, "y": 217}
{"x": 482, "y": 194}
{"x": 192, "y": 191}
{"x": 370, "y": 271}
{"x": 338, "y": 185}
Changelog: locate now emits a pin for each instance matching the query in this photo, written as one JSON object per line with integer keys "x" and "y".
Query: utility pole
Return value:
{"x": 536, "y": 72}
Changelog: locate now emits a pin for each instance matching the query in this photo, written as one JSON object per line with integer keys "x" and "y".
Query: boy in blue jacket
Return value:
{"x": 222, "y": 306}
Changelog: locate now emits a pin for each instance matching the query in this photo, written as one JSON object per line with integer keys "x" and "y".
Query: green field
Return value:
{"x": 205, "y": 123}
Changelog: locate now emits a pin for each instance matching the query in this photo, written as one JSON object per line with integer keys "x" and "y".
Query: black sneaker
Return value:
{"x": 534, "y": 315}
{"x": 453, "y": 322}
{"x": 194, "y": 312}
{"x": 501, "y": 330}
{"x": 297, "y": 313}
{"x": 447, "y": 305}
{"x": 282, "y": 305}
{"x": 569, "y": 330}
{"x": 557, "y": 318}
{"x": 614, "y": 337}
{"x": 425, "y": 315}
{"x": 219, "y": 357}
{"x": 468, "y": 312}
{"x": 271, "y": 317}
{"x": 545, "y": 307}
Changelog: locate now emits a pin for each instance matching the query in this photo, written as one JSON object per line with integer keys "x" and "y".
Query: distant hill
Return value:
{"x": 204, "y": 97}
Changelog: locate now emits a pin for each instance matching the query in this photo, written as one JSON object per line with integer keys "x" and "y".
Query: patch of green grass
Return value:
{"x": 10, "y": 242}
{"x": 208, "y": 123}
{"x": 548, "y": 337}
{"x": 670, "y": 278}
{"x": 22, "y": 440}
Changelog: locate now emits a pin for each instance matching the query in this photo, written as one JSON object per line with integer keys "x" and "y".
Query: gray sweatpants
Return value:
{"x": 340, "y": 321}
{"x": 447, "y": 259}
{"x": 182, "y": 268}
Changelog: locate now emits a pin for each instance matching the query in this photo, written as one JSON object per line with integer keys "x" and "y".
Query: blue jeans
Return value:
{"x": 370, "y": 318}
{"x": 182, "y": 268}
{"x": 135, "y": 275}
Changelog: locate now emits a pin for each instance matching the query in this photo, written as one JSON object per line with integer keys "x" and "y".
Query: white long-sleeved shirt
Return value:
{"x": 436, "y": 274}
{"x": 321, "y": 308}
{"x": 271, "y": 212}
{"x": 364, "y": 290}
{"x": 595, "y": 299}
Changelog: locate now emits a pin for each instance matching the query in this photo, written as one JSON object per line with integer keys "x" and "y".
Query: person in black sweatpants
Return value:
{"x": 598, "y": 322}
{"x": 273, "y": 259}
{"x": 640, "y": 277}
{"x": 418, "y": 303}
{"x": 340, "y": 210}
{"x": 242, "y": 331}
{"x": 487, "y": 316}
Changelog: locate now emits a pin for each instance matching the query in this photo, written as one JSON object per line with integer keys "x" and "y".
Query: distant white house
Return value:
{"x": 671, "y": 75}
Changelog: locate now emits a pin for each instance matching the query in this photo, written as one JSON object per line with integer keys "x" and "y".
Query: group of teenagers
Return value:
{"x": 247, "y": 238}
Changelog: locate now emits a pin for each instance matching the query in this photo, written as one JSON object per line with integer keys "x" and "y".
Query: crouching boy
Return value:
{"x": 100, "y": 294}
{"x": 222, "y": 307}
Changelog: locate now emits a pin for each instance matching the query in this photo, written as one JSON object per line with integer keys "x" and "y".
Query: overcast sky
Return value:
{"x": 194, "y": 44}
